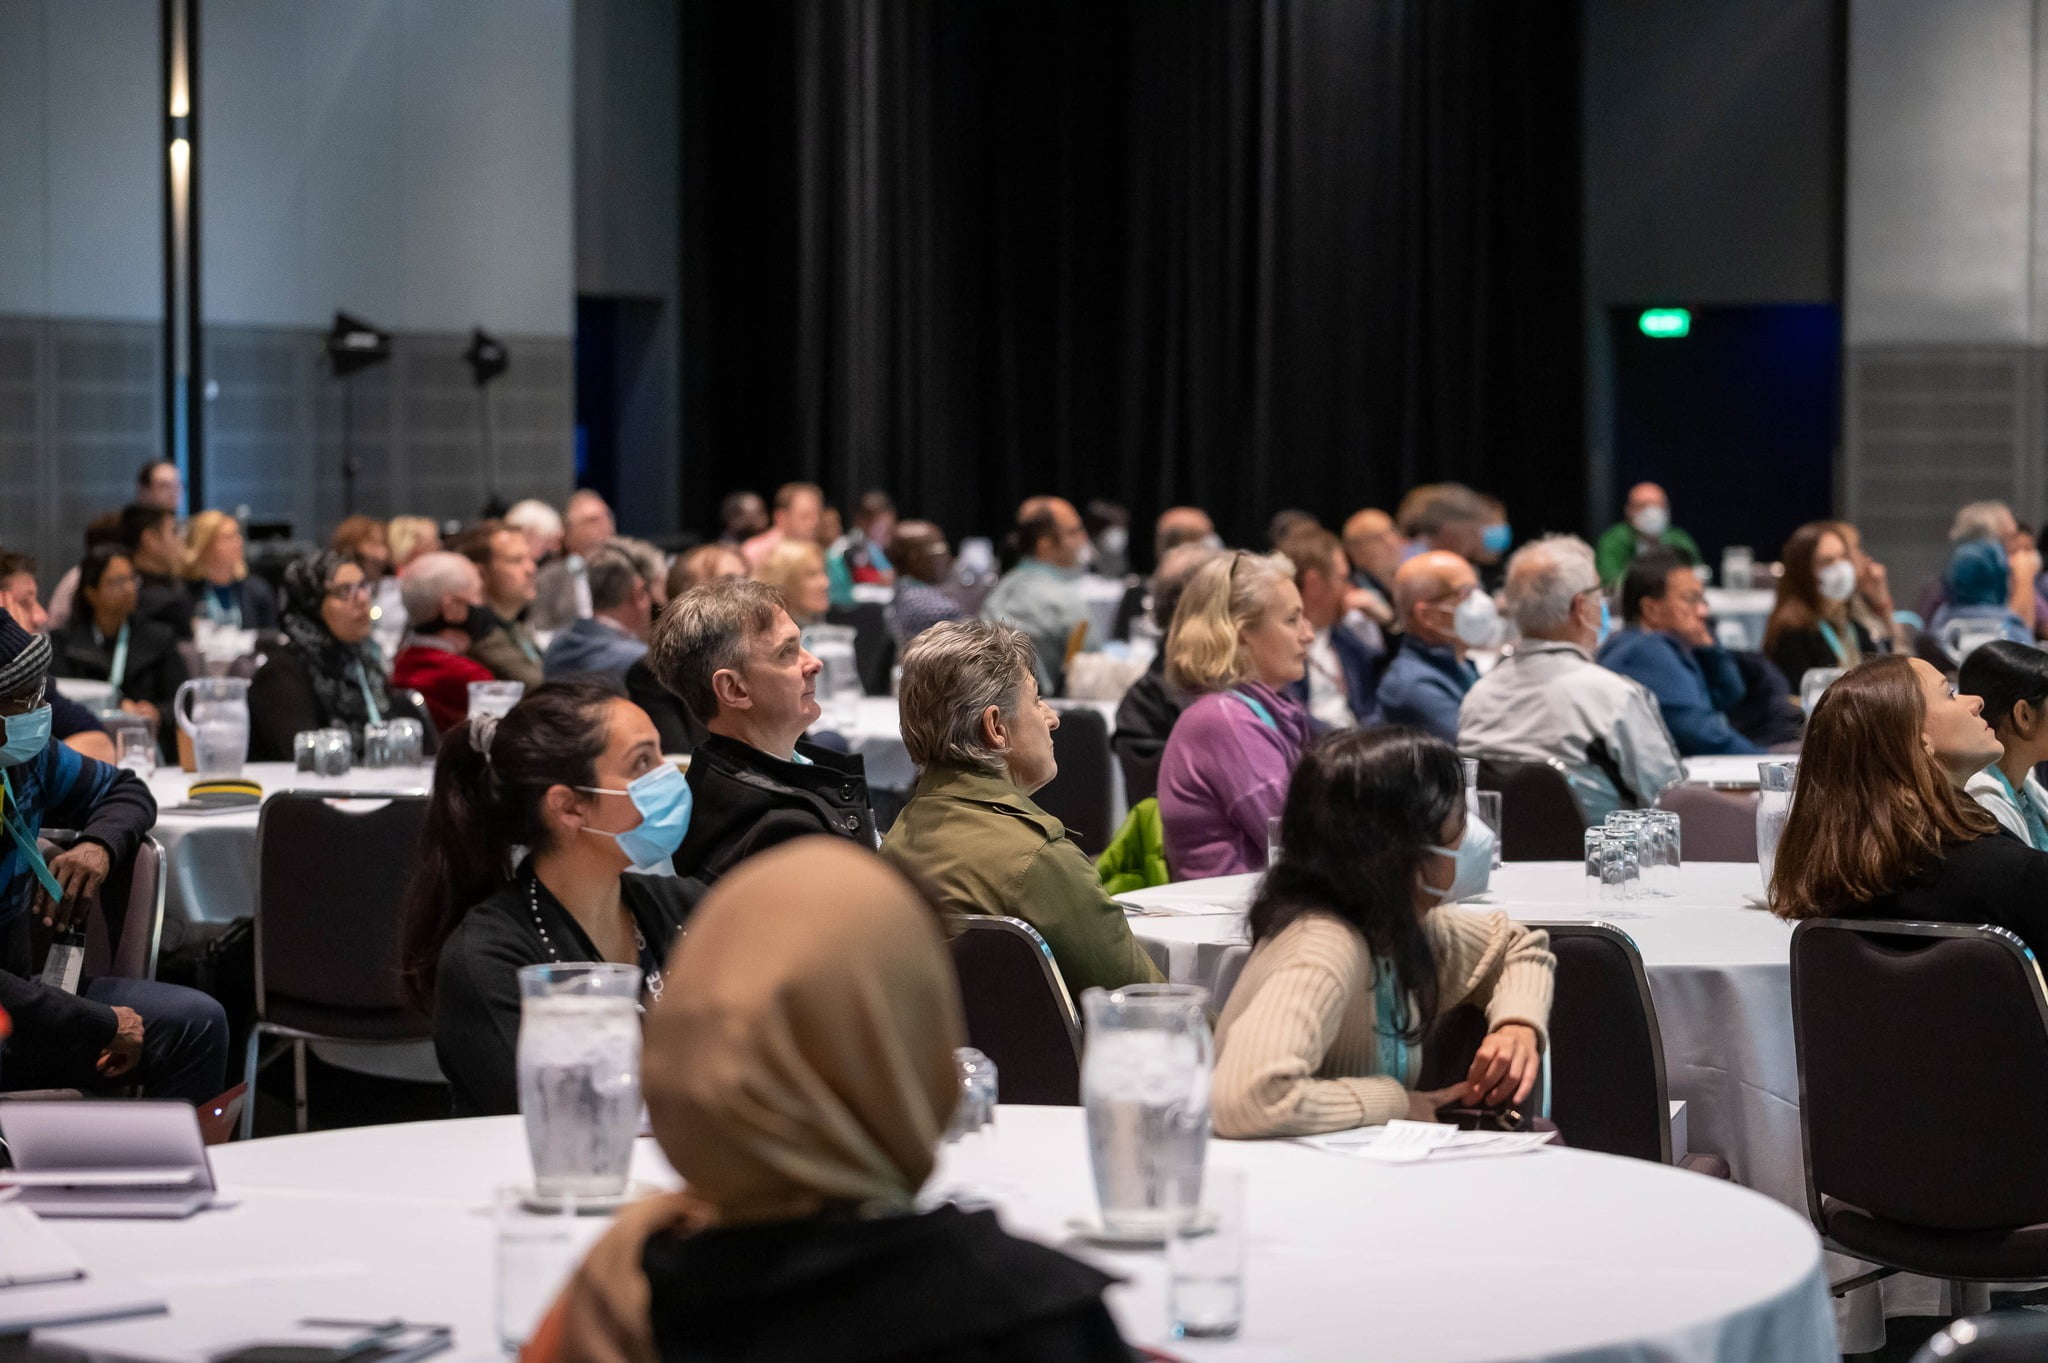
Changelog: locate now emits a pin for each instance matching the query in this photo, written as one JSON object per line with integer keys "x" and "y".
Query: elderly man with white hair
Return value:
{"x": 1548, "y": 700}
{"x": 444, "y": 601}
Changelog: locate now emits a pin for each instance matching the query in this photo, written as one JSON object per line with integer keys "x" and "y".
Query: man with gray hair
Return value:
{"x": 1548, "y": 701}
{"x": 730, "y": 650}
{"x": 614, "y": 636}
{"x": 443, "y": 595}
{"x": 981, "y": 736}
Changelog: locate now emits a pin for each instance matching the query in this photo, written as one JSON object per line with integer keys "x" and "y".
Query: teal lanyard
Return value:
{"x": 27, "y": 844}
{"x": 369, "y": 700}
{"x": 117, "y": 670}
{"x": 2030, "y": 816}
{"x": 1827, "y": 632}
{"x": 221, "y": 612}
{"x": 1265, "y": 715}
{"x": 525, "y": 645}
{"x": 1388, "y": 1001}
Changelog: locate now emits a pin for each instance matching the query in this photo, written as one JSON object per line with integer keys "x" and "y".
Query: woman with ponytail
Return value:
{"x": 570, "y": 782}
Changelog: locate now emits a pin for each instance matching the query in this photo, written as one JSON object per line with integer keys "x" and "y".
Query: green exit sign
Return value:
{"x": 1664, "y": 324}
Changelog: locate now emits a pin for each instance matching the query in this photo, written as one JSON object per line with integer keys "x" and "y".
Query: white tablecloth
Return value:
{"x": 1556, "y": 1255}
{"x": 211, "y": 858}
{"x": 1730, "y": 771}
{"x": 1719, "y": 968}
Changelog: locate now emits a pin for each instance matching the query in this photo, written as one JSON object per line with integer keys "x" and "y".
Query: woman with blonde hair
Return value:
{"x": 796, "y": 568}
{"x": 222, "y": 589}
{"x": 409, "y": 537}
{"x": 1239, "y": 637}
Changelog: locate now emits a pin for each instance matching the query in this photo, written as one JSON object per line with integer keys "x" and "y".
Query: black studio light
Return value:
{"x": 486, "y": 356}
{"x": 354, "y": 345}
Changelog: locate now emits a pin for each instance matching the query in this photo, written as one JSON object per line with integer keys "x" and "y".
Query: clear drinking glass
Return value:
{"x": 134, "y": 746}
{"x": 1205, "y": 1254}
{"x": 579, "y": 1075}
{"x": 1670, "y": 841}
{"x": 1620, "y": 874}
{"x": 494, "y": 697}
{"x": 1773, "y": 803}
{"x": 538, "y": 1247}
{"x": 376, "y": 745}
{"x": 1736, "y": 562}
{"x": 1273, "y": 840}
{"x": 1635, "y": 826}
{"x": 839, "y": 688}
{"x": 1486, "y": 804}
{"x": 1145, "y": 1085}
{"x": 1596, "y": 847}
{"x": 1813, "y": 683}
{"x": 407, "y": 740}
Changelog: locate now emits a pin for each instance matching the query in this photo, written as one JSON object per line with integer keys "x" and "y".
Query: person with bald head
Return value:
{"x": 1549, "y": 701}
{"x": 1645, "y": 525}
{"x": 1042, "y": 594}
{"x": 561, "y": 589}
{"x": 1427, "y": 680}
{"x": 1178, "y": 525}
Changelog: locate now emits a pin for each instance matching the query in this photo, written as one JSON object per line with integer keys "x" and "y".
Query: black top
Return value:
{"x": 162, "y": 598}
{"x": 283, "y": 704}
{"x": 744, "y": 801}
{"x": 680, "y": 732}
{"x": 251, "y": 597}
{"x": 154, "y": 667}
{"x": 1800, "y": 650}
{"x": 1144, "y": 719}
{"x": 476, "y": 983}
{"x": 945, "y": 1287}
{"x": 1995, "y": 879}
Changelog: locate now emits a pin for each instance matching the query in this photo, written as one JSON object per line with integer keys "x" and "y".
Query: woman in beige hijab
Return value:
{"x": 799, "y": 1073}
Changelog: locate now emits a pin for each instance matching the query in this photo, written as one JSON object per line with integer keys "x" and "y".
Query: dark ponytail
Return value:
{"x": 484, "y": 807}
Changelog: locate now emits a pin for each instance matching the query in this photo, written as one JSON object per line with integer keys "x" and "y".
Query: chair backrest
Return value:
{"x": 1019, "y": 1013}
{"x": 1081, "y": 795}
{"x": 874, "y": 647}
{"x": 1921, "y": 1049}
{"x": 331, "y": 878}
{"x": 1540, "y": 816}
{"x": 1714, "y": 825}
{"x": 1607, "y": 1088}
{"x": 124, "y": 923}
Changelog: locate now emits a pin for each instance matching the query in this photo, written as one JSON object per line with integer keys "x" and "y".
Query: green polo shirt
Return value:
{"x": 986, "y": 848}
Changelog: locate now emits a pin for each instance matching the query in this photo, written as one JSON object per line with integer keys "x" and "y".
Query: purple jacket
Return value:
{"x": 1224, "y": 774}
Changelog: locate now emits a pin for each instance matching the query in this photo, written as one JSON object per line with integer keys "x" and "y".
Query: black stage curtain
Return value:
{"x": 1245, "y": 255}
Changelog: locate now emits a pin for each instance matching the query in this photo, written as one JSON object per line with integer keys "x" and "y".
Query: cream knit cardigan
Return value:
{"x": 1296, "y": 1051}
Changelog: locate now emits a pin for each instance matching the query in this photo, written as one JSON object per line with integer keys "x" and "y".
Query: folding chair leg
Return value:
{"x": 299, "y": 1084}
{"x": 250, "y": 1064}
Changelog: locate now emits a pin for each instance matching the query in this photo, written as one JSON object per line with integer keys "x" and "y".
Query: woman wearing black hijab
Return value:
{"x": 327, "y": 675}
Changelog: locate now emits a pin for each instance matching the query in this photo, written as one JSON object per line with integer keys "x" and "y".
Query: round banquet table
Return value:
{"x": 1719, "y": 967}
{"x": 1558, "y": 1254}
{"x": 211, "y": 858}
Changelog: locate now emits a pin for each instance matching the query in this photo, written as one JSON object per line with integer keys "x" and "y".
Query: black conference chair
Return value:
{"x": 1714, "y": 825}
{"x": 124, "y": 924}
{"x": 1607, "y": 1086}
{"x": 1922, "y": 1048}
{"x": 2001, "y": 1337}
{"x": 1540, "y": 816}
{"x": 1019, "y": 1013}
{"x": 1081, "y": 795}
{"x": 874, "y": 648}
{"x": 331, "y": 877}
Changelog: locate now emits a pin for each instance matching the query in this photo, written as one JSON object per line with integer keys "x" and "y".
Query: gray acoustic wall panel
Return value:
{"x": 279, "y": 422}
{"x": 80, "y": 412}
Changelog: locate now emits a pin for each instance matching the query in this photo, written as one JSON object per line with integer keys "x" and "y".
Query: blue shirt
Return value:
{"x": 1424, "y": 686}
{"x": 59, "y": 788}
{"x": 1694, "y": 688}
{"x": 591, "y": 647}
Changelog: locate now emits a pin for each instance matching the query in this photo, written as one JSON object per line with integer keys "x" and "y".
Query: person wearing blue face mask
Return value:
{"x": 1548, "y": 701}
{"x": 113, "y": 1033}
{"x": 572, "y": 775}
{"x": 1358, "y": 947}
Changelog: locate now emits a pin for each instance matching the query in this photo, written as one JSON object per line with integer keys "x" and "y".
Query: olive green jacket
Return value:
{"x": 985, "y": 848}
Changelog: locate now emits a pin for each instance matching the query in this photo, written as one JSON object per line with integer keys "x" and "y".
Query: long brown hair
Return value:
{"x": 1799, "y": 605}
{"x": 1871, "y": 805}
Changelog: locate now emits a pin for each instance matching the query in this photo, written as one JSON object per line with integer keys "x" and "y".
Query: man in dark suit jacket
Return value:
{"x": 1341, "y": 684}
{"x": 731, "y": 651}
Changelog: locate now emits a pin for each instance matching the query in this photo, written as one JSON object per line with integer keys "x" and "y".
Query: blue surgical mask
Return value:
{"x": 1606, "y": 622}
{"x": 27, "y": 735}
{"x": 663, "y": 798}
{"x": 1497, "y": 538}
{"x": 1474, "y": 858}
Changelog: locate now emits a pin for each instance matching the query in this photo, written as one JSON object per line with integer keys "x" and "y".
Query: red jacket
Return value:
{"x": 443, "y": 677}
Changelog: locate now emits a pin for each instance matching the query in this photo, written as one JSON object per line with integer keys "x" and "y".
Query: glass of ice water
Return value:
{"x": 538, "y": 1246}
{"x": 579, "y": 1075}
{"x": 1145, "y": 1086}
{"x": 1205, "y": 1255}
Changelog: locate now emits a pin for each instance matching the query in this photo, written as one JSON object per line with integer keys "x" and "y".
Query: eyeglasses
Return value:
{"x": 350, "y": 591}
{"x": 25, "y": 702}
{"x": 118, "y": 581}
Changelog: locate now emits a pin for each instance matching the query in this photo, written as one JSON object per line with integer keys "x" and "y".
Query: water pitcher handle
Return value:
{"x": 180, "y": 709}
